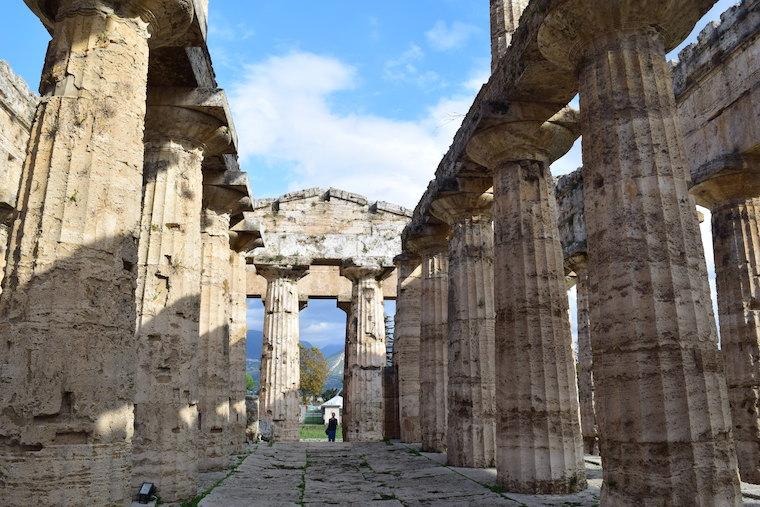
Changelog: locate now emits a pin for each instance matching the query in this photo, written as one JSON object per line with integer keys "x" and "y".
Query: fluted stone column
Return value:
{"x": 407, "y": 346}
{"x": 733, "y": 195}
{"x": 585, "y": 360}
{"x": 168, "y": 300}
{"x": 345, "y": 416}
{"x": 540, "y": 447}
{"x": 67, "y": 314}
{"x": 238, "y": 329}
{"x": 214, "y": 345}
{"x": 279, "y": 406}
{"x": 365, "y": 355}
{"x": 434, "y": 338}
{"x": 471, "y": 425}
{"x": 663, "y": 412}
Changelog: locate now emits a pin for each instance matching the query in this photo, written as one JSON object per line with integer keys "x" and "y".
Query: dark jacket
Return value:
{"x": 332, "y": 424}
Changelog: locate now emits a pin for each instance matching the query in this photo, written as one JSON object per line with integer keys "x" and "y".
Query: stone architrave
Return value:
{"x": 365, "y": 355}
{"x": 279, "y": 407}
{"x": 540, "y": 446}
{"x": 214, "y": 343}
{"x": 471, "y": 424}
{"x": 407, "y": 346}
{"x": 67, "y": 314}
{"x": 663, "y": 412}
{"x": 732, "y": 192}
{"x": 434, "y": 340}
{"x": 168, "y": 299}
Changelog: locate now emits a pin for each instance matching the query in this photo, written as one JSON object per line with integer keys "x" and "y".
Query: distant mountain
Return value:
{"x": 332, "y": 350}
{"x": 335, "y": 374}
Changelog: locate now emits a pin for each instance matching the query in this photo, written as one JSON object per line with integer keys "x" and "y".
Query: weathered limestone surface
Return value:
{"x": 572, "y": 230}
{"x": 407, "y": 346}
{"x": 539, "y": 437}
{"x": 585, "y": 361}
{"x": 668, "y": 439}
{"x": 471, "y": 424}
{"x": 238, "y": 328}
{"x": 391, "y": 428}
{"x": 280, "y": 374}
{"x": 17, "y": 106}
{"x": 68, "y": 309}
{"x": 365, "y": 356}
{"x": 717, "y": 85}
{"x": 504, "y": 17}
{"x": 328, "y": 225}
{"x": 214, "y": 345}
{"x": 168, "y": 302}
{"x": 434, "y": 341}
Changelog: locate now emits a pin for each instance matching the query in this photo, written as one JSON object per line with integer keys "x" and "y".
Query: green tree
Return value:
{"x": 314, "y": 370}
{"x": 250, "y": 384}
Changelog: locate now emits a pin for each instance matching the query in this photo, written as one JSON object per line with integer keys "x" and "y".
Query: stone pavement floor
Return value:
{"x": 393, "y": 474}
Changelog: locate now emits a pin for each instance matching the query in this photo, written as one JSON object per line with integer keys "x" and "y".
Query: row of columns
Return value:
{"x": 365, "y": 354}
{"x": 662, "y": 403}
{"x": 123, "y": 304}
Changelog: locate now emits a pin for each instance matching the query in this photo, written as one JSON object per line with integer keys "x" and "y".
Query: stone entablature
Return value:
{"x": 324, "y": 229}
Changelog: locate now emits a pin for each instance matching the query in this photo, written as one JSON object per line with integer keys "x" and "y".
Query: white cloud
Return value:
{"x": 285, "y": 115}
{"x": 321, "y": 327}
{"x": 444, "y": 36}
{"x": 405, "y": 68}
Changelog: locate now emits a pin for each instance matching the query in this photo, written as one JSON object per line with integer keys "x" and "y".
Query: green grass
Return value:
{"x": 317, "y": 431}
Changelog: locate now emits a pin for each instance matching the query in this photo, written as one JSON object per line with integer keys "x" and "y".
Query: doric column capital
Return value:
{"x": 273, "y": 272}
{"x": 464, "y": 198}
{"x": 526, "y": 139}
{"x": 166, "y": 19}
{"x": 727, "y": 181}
{"x": 577, "y": 263}
{"x": 429, "y": 240}
{"x": 407, "y": 260}
{"x": 190, "y": 128}
{"x": 246, "y": 234}
{"x": 357, "y": 273}
{"x": 572, "y": 25}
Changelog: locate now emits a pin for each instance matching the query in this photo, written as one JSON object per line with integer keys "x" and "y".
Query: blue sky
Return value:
{"x": 364, "y": 96}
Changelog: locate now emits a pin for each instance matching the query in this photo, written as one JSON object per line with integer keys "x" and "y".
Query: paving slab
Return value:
{"x": 381, "y": 474}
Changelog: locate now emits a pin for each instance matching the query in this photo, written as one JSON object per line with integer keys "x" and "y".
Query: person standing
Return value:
{"x": 332, "y": 428}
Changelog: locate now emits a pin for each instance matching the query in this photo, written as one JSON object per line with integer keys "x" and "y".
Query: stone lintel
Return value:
{"x": 729, "y": 178}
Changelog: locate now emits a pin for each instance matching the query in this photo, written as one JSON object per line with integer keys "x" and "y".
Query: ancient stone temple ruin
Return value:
{"x": 131, "y": 241}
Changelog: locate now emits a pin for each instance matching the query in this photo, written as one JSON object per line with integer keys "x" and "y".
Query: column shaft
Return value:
{"x": 365, "y": 358}
{"x": 663, "y": 413}
{"x": 471, "y": 425}
{"x": 539, "y": 436}
{"x": 280, "y": 369}
{"x": 585, "y": 364}
{"x": 214, "y": 346}
{"x": 238, "y": 329}
{"x": 434, "y": 351}
{"x": 736, "y": 243}
{"x": 67, "y": 315}
{"x": 407, "y": 349}
{"x": 168, "y": 308}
